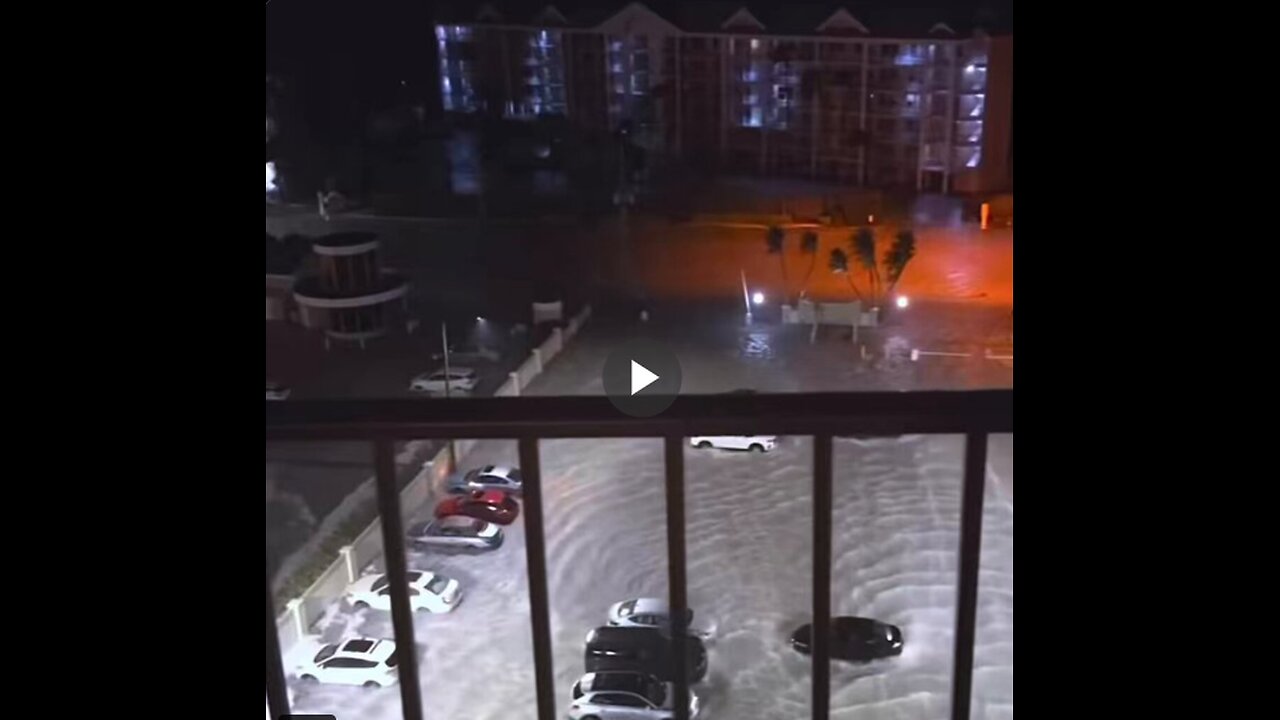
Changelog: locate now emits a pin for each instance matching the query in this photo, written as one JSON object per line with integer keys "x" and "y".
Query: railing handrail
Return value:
{"x": 871, "y": 413}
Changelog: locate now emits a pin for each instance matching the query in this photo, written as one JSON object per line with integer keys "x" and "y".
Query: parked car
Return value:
{"x": 459, "y": 379}
{"x": 276, "y": 391}
{"x": 646, "y": 650}
{"x": 489, "y": 477}
{"x": 493, "y": 506}
{"x": 754, "y": 443}
{"x": 358, "y": 661}
{"x": 456, "y": 533}
{"x": 621, "y": 680}
{"x": 856, "y": 639}
{"x": 623, "y": 705}
{"x": 643, "y": 612}
{"x": 427, "y": 591}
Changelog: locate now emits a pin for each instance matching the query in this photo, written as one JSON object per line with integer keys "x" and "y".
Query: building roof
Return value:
{"x": 882, "y": 18}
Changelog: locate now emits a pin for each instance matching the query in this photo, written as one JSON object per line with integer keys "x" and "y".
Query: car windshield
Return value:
{"x": 438, "y": 584}
{"x": 627, "y": 608}
{"x": 325, "y": 653}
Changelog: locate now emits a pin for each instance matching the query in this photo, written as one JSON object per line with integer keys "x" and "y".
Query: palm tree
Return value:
{"x": 809, "y": 246}
{"x": 839, "y": 264}
{"x": 898, "y": 255}
{"x": 774, "y": 242}
{"x": 863, "y": 246}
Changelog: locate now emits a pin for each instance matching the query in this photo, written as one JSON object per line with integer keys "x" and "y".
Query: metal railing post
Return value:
{"x": 393, "y": 542}
{"x": 975, "y": 475}
{"x": 821, "y": 638}
{"x": 535, "y": 547}
{"x": 678, "y": 601}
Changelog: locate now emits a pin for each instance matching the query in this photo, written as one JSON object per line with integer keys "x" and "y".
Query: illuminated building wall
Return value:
{"x": 838, "y": 103}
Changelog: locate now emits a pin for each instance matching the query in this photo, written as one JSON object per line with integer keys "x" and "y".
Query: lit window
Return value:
{"x": 755, "y": 44}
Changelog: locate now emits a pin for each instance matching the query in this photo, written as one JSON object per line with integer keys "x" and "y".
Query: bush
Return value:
{"x": 327, "y": 552}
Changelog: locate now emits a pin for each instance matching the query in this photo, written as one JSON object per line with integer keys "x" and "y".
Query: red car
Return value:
{"x": 493, "y": 506}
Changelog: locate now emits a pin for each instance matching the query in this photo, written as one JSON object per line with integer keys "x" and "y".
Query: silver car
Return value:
{"x": 489, "y": 477}
{"x": 455, "y": 532}
{"x": 643, "y": 612}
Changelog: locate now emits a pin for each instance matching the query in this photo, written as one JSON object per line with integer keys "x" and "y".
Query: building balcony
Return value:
{"x": 819, "y": 420}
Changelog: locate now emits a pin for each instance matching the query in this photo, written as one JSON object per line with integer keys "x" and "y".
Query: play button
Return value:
{"x": 641, "y": 377}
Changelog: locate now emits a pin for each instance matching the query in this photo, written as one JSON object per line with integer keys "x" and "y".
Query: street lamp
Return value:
{"x": 448, "y": 380}
{"x": 757, "y": 297}
{"x": 903, "y": 301}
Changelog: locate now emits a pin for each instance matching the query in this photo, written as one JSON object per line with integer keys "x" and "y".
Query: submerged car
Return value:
{"x": 455, "y": 533}
{"x": 625, "y": 705}
{"x": 643, "y": 612}
{"x": 489, "y": 477}
{"x": 427, "y": 591}
{"x": 358, "y": 661}
{"x": 620, "y": 680}
{"x": 645, "y": 650}
{"x": 492, "y": 506}
{"x": 855, "y": 639}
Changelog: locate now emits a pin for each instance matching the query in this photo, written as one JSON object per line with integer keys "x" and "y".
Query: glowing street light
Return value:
{"x": 757, "y": 297}
{"x": 902, "y": 301}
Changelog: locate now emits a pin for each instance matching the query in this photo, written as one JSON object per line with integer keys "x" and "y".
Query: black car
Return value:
{"x": 854, "y": 638}
{"x": 645, "y": 650}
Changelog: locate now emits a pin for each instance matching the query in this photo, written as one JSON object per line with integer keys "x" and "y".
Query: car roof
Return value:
{"x": 459, "y": 521}
{"x": 650, "y": 605}
{"x": 587, "y": 697}
{"x": 625, "y": 636}
{"x": 627, "y": 680}
{"x": 489, "y": 496}
{"x": 367, "y": 648}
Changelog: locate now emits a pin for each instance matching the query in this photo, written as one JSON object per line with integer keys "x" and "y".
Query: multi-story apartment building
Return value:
{"x": 878, "y": 98}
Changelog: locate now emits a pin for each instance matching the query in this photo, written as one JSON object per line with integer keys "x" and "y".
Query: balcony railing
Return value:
{"x": 823, "y": 416}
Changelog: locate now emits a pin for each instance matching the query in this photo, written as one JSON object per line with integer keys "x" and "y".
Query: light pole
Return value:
{"x": 448, "y": 380}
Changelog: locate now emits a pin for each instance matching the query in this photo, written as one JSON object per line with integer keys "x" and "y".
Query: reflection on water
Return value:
{"x": 756, "y": 346}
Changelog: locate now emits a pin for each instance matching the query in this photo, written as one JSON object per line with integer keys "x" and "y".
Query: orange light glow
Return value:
{"x": 986, "y": 215}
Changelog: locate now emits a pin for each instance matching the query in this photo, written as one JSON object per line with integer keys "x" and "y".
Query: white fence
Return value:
{"x": 528, "y": 370}
{"x": 300, "y": 613}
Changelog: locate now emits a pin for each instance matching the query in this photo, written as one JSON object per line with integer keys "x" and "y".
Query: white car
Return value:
{"x": 656, "y": 704}
{"x": 358, "y": 661}
{"x": 755, "y": 443}
{"x": 643, "y": 612}
{"x": 427, "y": 591}
{"x": 460, "y": 379}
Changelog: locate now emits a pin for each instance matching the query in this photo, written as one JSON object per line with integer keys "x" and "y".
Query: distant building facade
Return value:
{"x": 813, "y": 92}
